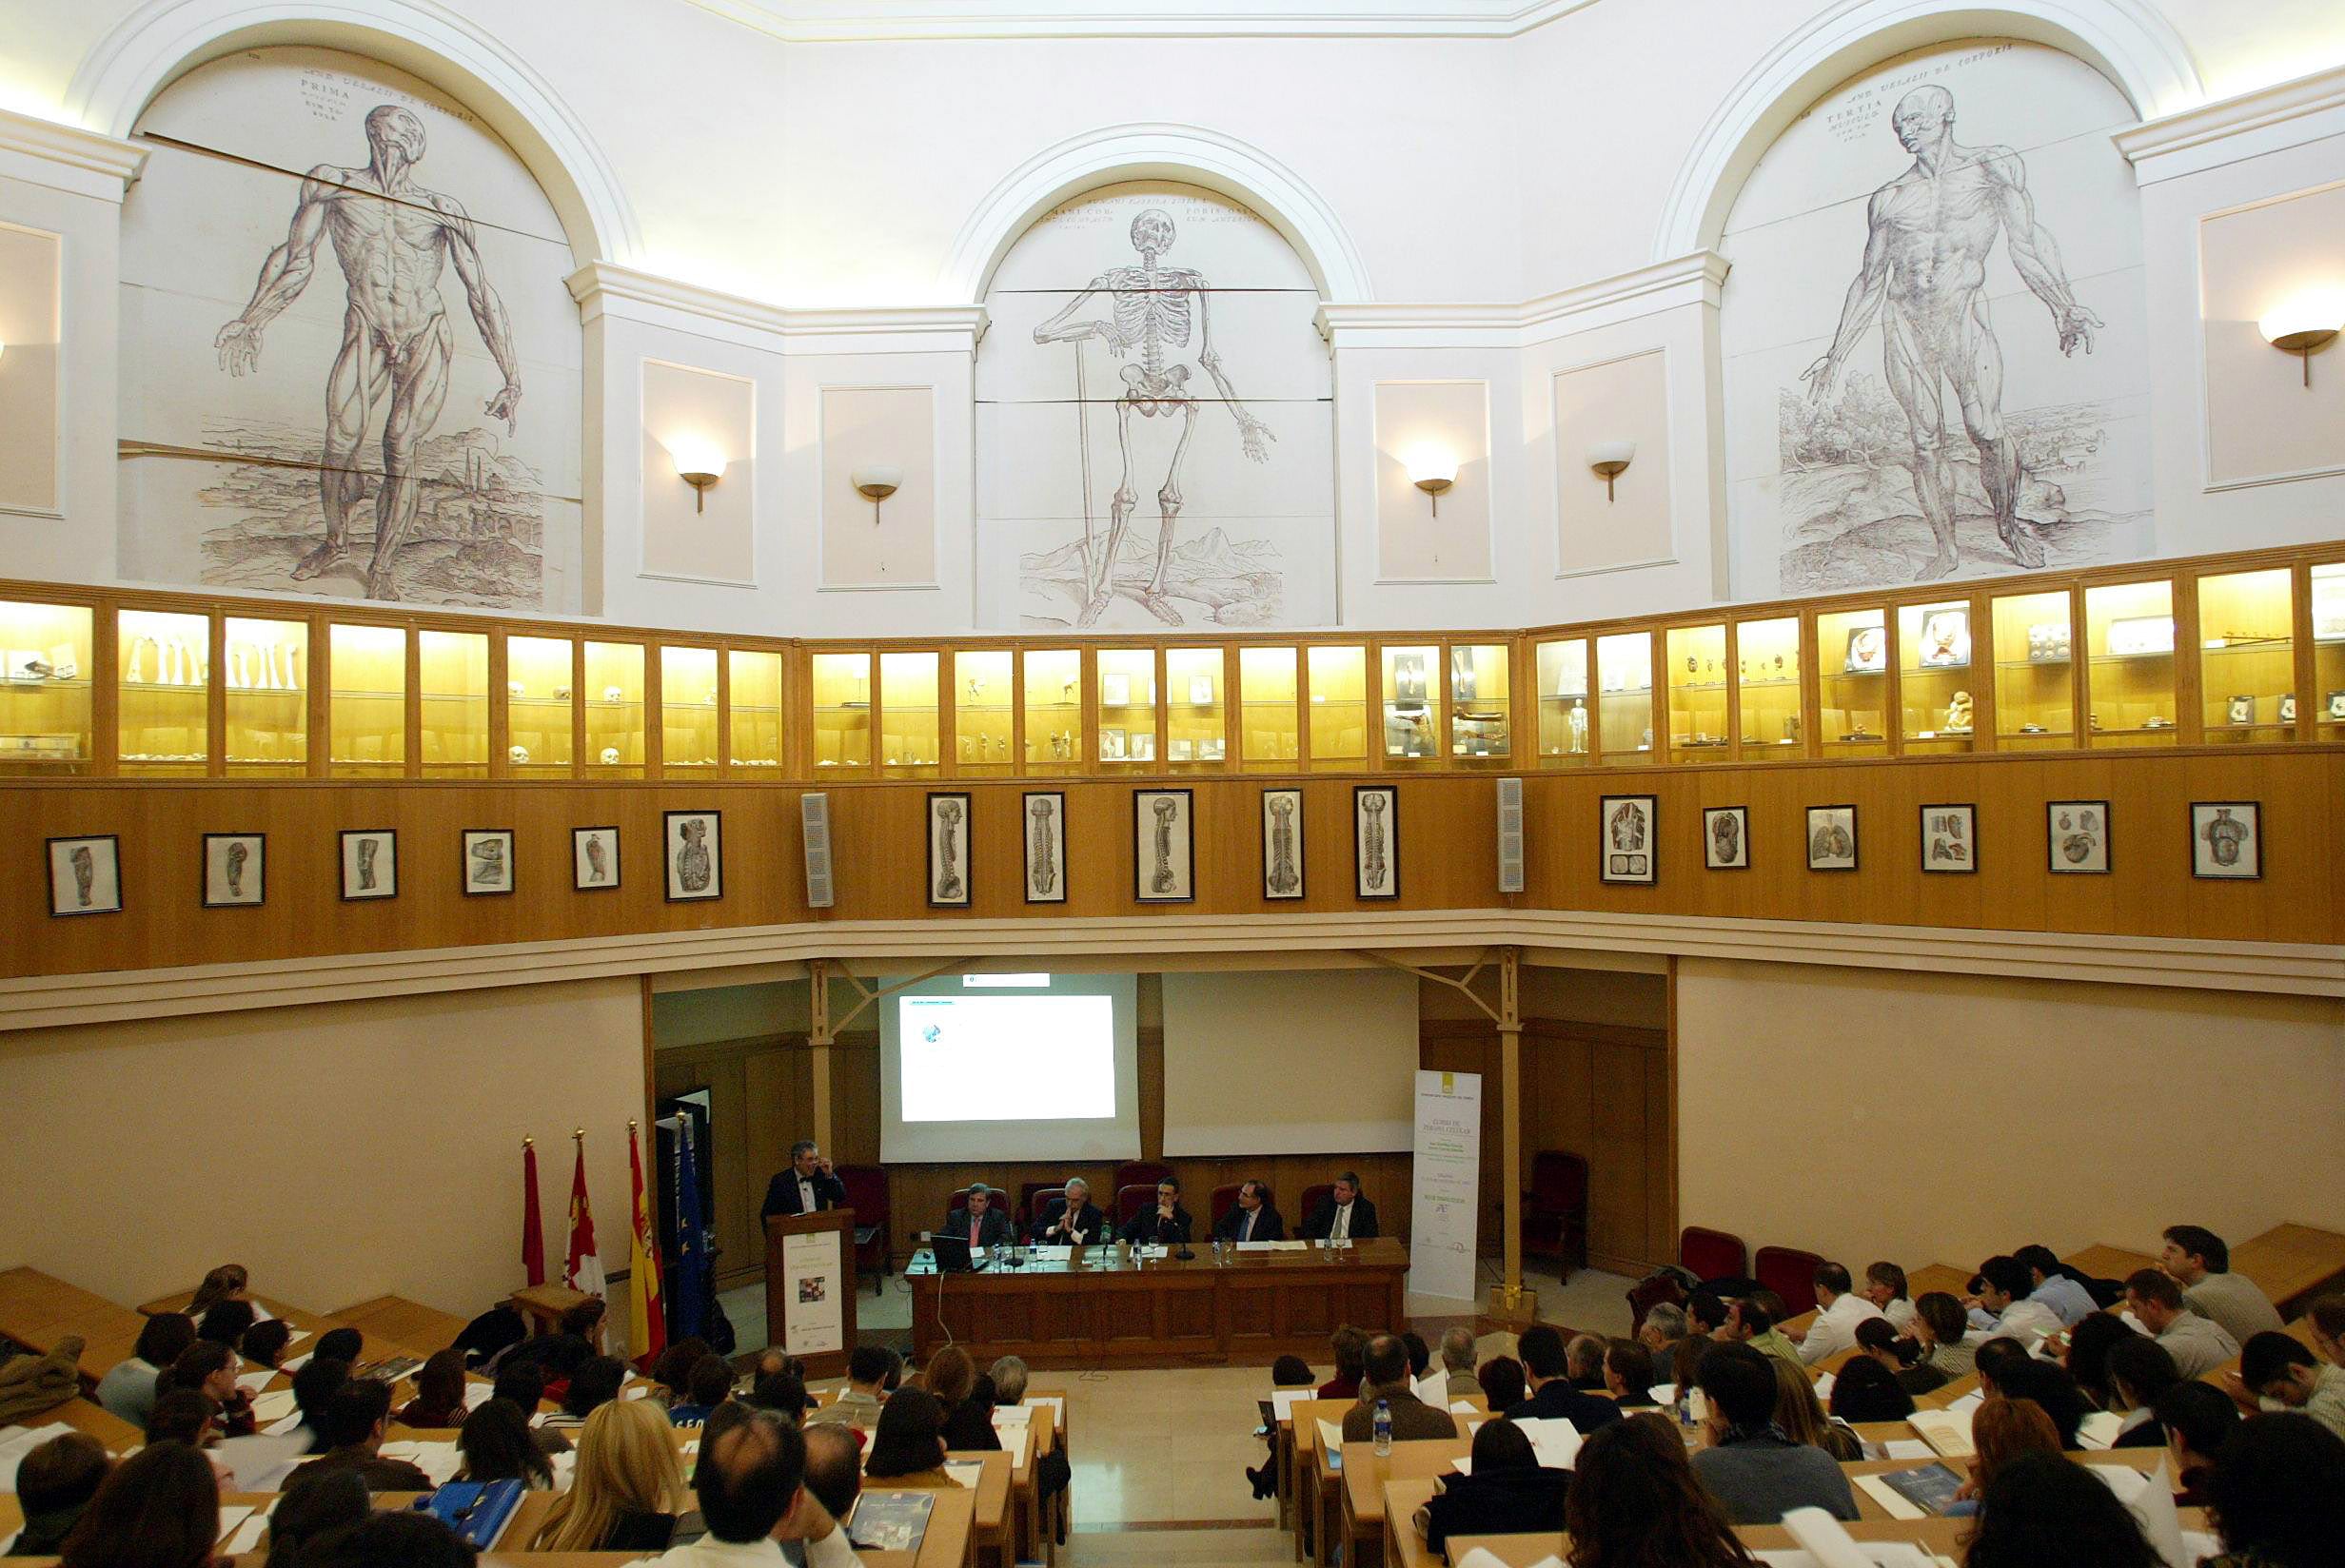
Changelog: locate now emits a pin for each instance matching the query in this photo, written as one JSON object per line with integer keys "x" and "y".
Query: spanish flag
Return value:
{"x": 647, "y": 1310}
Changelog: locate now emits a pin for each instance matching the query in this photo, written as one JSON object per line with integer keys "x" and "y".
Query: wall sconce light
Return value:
{"x": 876, "y": 484}
{"x": 699, "y": 463}
{"x": 1609, "y": 459}
{"x": 2304, "y": 325}
{"x": 1431, "y": 469}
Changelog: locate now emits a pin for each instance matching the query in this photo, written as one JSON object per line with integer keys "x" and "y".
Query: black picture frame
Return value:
{"x": 1184, "y": 880}
{"x": 929, "y": 866}
{"x": 1053, "y": 866}
{"x": 1617, "y": 865}
{"x": 1709, "y": 842}
{"x": 578, "y": 846}
{"x": 463, "y": 862}
{"x": 342, "y": 863}
{"x": 1969, "y": 837}
{"x": 1271, "y": 893}
{"x": 1372, "y": 882}
{"x": 2051, "y": 839}
{"x": 1856, "y": 842}
{"x": 2254, "y": 840}
{"x": 49, "y": 859}
{"x": 716, "y": 858}
{"x": 203, "y": 873}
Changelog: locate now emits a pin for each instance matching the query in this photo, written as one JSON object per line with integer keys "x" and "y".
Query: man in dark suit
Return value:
{"x": 1166, "y": 1222}
{"x": 1071, "y": 1219}
{"x": 979, "y": 1220}
{"x": 1253, "y": 1219}
{"x": 1548, "y": 1371}
{"x": 1343, "y": 1216}
{"x": 808, "y": 1187}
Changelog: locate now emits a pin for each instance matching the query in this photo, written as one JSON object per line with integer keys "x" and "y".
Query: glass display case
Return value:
{"x": 1852, "y": 682}
{"x": 909, "y": 731}
{"x": 1269, "y": 726}
{"x": 1933, "y": 676}
{"x": 1696, "y": 659}
{"x": 842, "y": 710}
{"x": 540, "y": 706}
{"x": 46, "y": 725}
{"x": 1766, "y": 666}
{"x": 1411, "y": 704}
{"x": 2247, "y": 656}
{"x": 1481, "y": 709}
{"x": 1127, "y": 705}
{"x": 1338, "y": 674}
{"x": 2035, "y": 676}
{"x": 163, "y": 714}
{"x": 753, "y": 708}
{"x": 366, "y": 701}
{"x": 2327, "y": 694}
{"x": 1196, "y": 727}
{"x": 1054, "y": 710}
{"x": 1624, "y": 696}
{"x": 687, "y": 708}
{"x": 1564, "y": 719}
{"x": 614, "y": 709}
{"x": 267, "y": 698}
{"x": 2129, "y": 690}
{"x": 981, "y": 711}
{"x": 452, "y": 670}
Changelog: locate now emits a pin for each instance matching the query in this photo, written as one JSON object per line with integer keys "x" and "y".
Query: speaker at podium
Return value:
{"x": 810, "y": 1288}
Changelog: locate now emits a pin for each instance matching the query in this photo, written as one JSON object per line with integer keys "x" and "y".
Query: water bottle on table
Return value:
{"x": 1384, "y": 1428}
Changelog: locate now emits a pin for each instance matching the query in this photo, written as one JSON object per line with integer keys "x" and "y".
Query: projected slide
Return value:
{"x": 1032, "y": 1058}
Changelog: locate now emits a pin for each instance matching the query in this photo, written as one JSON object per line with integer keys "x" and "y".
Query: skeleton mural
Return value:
{"x": 1285, "y": 876}
{"x": 85, "y": 875}
{"x": 949, "y": 884}
{"x": 1373, "y": 866}
{"x": 1041, "y": 863}
{"x": 1627, "y": 826}
{"x": 1161, "y": 880}
{"x": 598, "y": 859}
{"x": 367, "y": 849}
{"x": 692, "y": 862}
{"x": 1151, "y": 310}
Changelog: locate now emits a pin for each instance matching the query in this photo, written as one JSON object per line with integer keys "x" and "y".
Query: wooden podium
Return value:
{"x": 810, "y": 1283}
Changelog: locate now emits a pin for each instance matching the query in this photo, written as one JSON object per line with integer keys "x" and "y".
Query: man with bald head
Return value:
{"x": 751, "y": 1484}
{"x": 1928, "y": 235}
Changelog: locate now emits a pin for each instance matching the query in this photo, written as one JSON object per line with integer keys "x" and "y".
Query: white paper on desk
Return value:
{"x": 1828, "y": 1543}
{"x": 8, "y": 1543}
{"x": 294, "y": 1363}
{"x": 259, "y": 1464}
{"x": 1462, "y": 1407}
{"x": 1947, "y": 1431}
{"x": 439, "y": 1460}
{"x": 1257, "y": 1246}
{"x": 1892, "y": 1502}
{"x": 1013, "y": 1419}
{"x": 1051, "y": 1254}
{"x": 1967, "y": 1403}
{"x": 1286, "y": 1246}
{"x": 1823, "y": 1385}
{"x": 1330, "y": 1436}
{"x": 965, "y": 1472}
{"x": 1148, "y": 1251}
{"x": 231, "y": 1516}
{"x": 284, "y": 1424}
{"x": 1875, "y": 1554}
{"x": 273, "y": 1407}
{"x": 1283, "y": 1400}
{"x": 2151, "y": 1498}
{"x": 248, "y": 1537}
{"x": 1482, "y": 1557}
{"x": 252, "y": 1383}
{"x": 2099, "y": 1429}
{"x": 478, "y": 1394}
{"x": 1907, "y": 1448}
{"x": 260, "y": 1313}
{"x": 16, "y": 1442}
{"x": 1696, "y": 1406}
{"x": 1664, "y": 1393}
{"x": 1554, "y": 1439}
{"x": 1464, "y": 1465}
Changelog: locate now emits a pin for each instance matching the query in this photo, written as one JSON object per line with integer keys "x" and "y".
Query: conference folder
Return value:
{"x": 889, "y": 1521}
{"x": 476, "y": 1510}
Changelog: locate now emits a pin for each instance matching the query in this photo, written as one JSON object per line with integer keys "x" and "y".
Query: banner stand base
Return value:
{"x": 1518, "y": 1308}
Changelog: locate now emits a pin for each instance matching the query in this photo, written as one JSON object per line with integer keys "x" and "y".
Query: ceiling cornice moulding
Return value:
{"x": 69, "y": 158}
{"x": 604, "y": 289}
{"x": 863, "y": 21}
{"x": 2268, "y": 120}
{"x": 1693, "y": 280}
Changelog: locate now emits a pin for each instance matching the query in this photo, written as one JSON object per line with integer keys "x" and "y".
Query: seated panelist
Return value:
{"x": 979, "y": 1218}
{"x": 807, "y": 1188}
{"x": 1253, "y": 1219}
{"x": 1345, "y": 1216}
{"x": 1167, "y": 1223}
{"x": 1071, "y": 1219}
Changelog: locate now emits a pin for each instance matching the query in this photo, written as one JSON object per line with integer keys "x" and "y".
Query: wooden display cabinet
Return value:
{"x": 1412, "y": 687}
{"x": 1124, "y": 687}
{"x": 2131, "y": 694}
{"x": 2036, "y": 674}
{"x": 452, "y": 677}
{"x": 541, "y": 712}
{"x": 2325, "y": 703}
{"x": 1853, "y": 666}
{"x": 984, "y": 688}
{"x": 1481, "y": 704}
{"x": 1196, "y": 715}
{"x": 1698, "y": 673}
{"x": 841, "y": 685}
{"x": 1269, "y": 718}
{"x": 1766, "y": 663}
{"x": 1566, "y": 737}
{"x": 1336, "y": 678}
{"x": 614, "y": 706}
{"x": 1937, "y": 703}
{"x": 48, "y": 726}
{"x": 754, "y": 706}
{"x": 2247, "y": 657}
{"x": 266, "y": 700}
{"x": 909, "y": 715}
{"x": 1623, "y": 725}
{"x": 367, "y": 700}
{"x": 1050, "y": 711}
{"x": 163, "y": 702}
{"x": 689, "y": 709}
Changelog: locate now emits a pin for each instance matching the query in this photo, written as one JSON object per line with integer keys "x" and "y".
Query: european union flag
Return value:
{"x": 691, "y": 1285}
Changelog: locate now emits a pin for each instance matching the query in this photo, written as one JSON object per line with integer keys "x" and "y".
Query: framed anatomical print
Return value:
{"x": 1282, "y": 844}
{"x": 1164, "y": 863}
{"x": 234, "y": 871}
{"x": 488, "y": 861}
{"x": 85, "y": 875}
{"x": 1726, "y": 838}
{"x": 2226, "y": 840}
{"x": 1831, "y": 838}
{"x": 1626, "y": 852}
{"x": 2076, "y": 837}
{"x": 1376, "y": 841}
{"x": 594, "y": 859}
{"x": 369, "y": 864}
{"x": 693, "y": 854}
{"x": 1950, "y": 838}
{"x": 948, "y": 851}
{"x": 1044, "y": 822}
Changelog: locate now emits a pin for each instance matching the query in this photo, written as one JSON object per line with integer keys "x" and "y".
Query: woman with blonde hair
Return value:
{"x": 225, "y": 1283}
{"x": 1802, "y": 1419}
{"x": 627, "y": 1489}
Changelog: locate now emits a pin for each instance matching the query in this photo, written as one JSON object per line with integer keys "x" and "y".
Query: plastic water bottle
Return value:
{"x": 1384, "y": 1428}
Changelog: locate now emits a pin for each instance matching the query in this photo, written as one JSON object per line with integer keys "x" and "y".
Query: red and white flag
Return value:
{"x": 533, "y": 1228}
{"x": 583, "y": 1271}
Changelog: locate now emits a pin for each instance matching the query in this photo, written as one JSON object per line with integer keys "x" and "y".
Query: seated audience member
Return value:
{"x": 2048, "y": 1511}
{"x": 834, "y": 1468}
{"x": 1009, "y": 1375}
{"x": 439, "y": 1392}
{"x": 784, "y": 1394}
{"x": 1251, "y": 1217}
{"x": 227, "y": 1282}
{"x": 1884, "y": 1287}
{"x": 671, "y": 1373}
{"x": 907, "y": 1447}
{"x": 1878, "y": 1342}
{"x": 754, "y": 1495}
{"x": 209, "y": 1368}
{"x": 627, "y": 1489}
{"x": 1385, "y": 1380}
{"x": 1801, "y": 1415}
{"x": 342, "y": 1345}
{"x": 184, "y": 1416}
{"x": 263, "y": 1343}
{"x": 1349, "y": 1345}
{"x": 2277, "y": 1498}
{"x": 1938, "y": 1327}
{"x": 2196, "y": 1419}
{"x": 355, "y": 1419}
{"x": 55, "y": 1484}
{"x": 1454, "y": 1378}
{"x": 1584, "y": 1362}
{"x": 2283, "y": 1375}
{"x": 312, "y": 1507}
{"x": 773, "y": 1363}
{"x": 1748, "y": 1322}
{"x": 313, "y": 1389}
{"x": 2054, "y": 1287}
{"x": 1682, "y": 1363}
{"x": 1502, "y": 1383}
{"x": 859, "y": 1405}
{"x": 1419, "y": 1355}
{"x": 585, "y": 1320}
{"x": 952, "y": 1379}
{"x": 1343, "y": 1215}
{"x": 2200, "y": 1263}
{"x": 224, "y": 1323}
{"x": 595, "y": 1383}
{"x": 128, "y": 1391}
{"x": 2199, "y": 1345}
{"x": 2087, "y": 1356}
{"x": 161, "y": 1507}
{"x": 524, "y": 1385}
{"x": 710, "y": 1385}
{"x": 1665, "y": 1325}
{"x": 391, "y": 1541}
{"x": 1866, "y": 1390}
{"x": 2140, "y": 1372}
{"x": 1069, "y": 1218}
{"x": 1756, "y": 1470}
{"x": 2001, "y": 1430}
{"x": 2326, "y": 1319}
{"x": 1508, "y": 1493}
{"x": 1551, "y": 1394}
{"x": 2006, "y": 1304}
{"x": 1163, "y": 1224}
{"x": 2050, "y": 1386}
{"x": 1839, "y": 1311}
{"x": 1634, "y": 1502}
{"x": 1285, "y": 1372}
{"x": 980, "y": 1218}
{"x": 1628, "y": 1375}
{"x": 1707, "y": 1311}
{"x": 496, "y": 1445}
